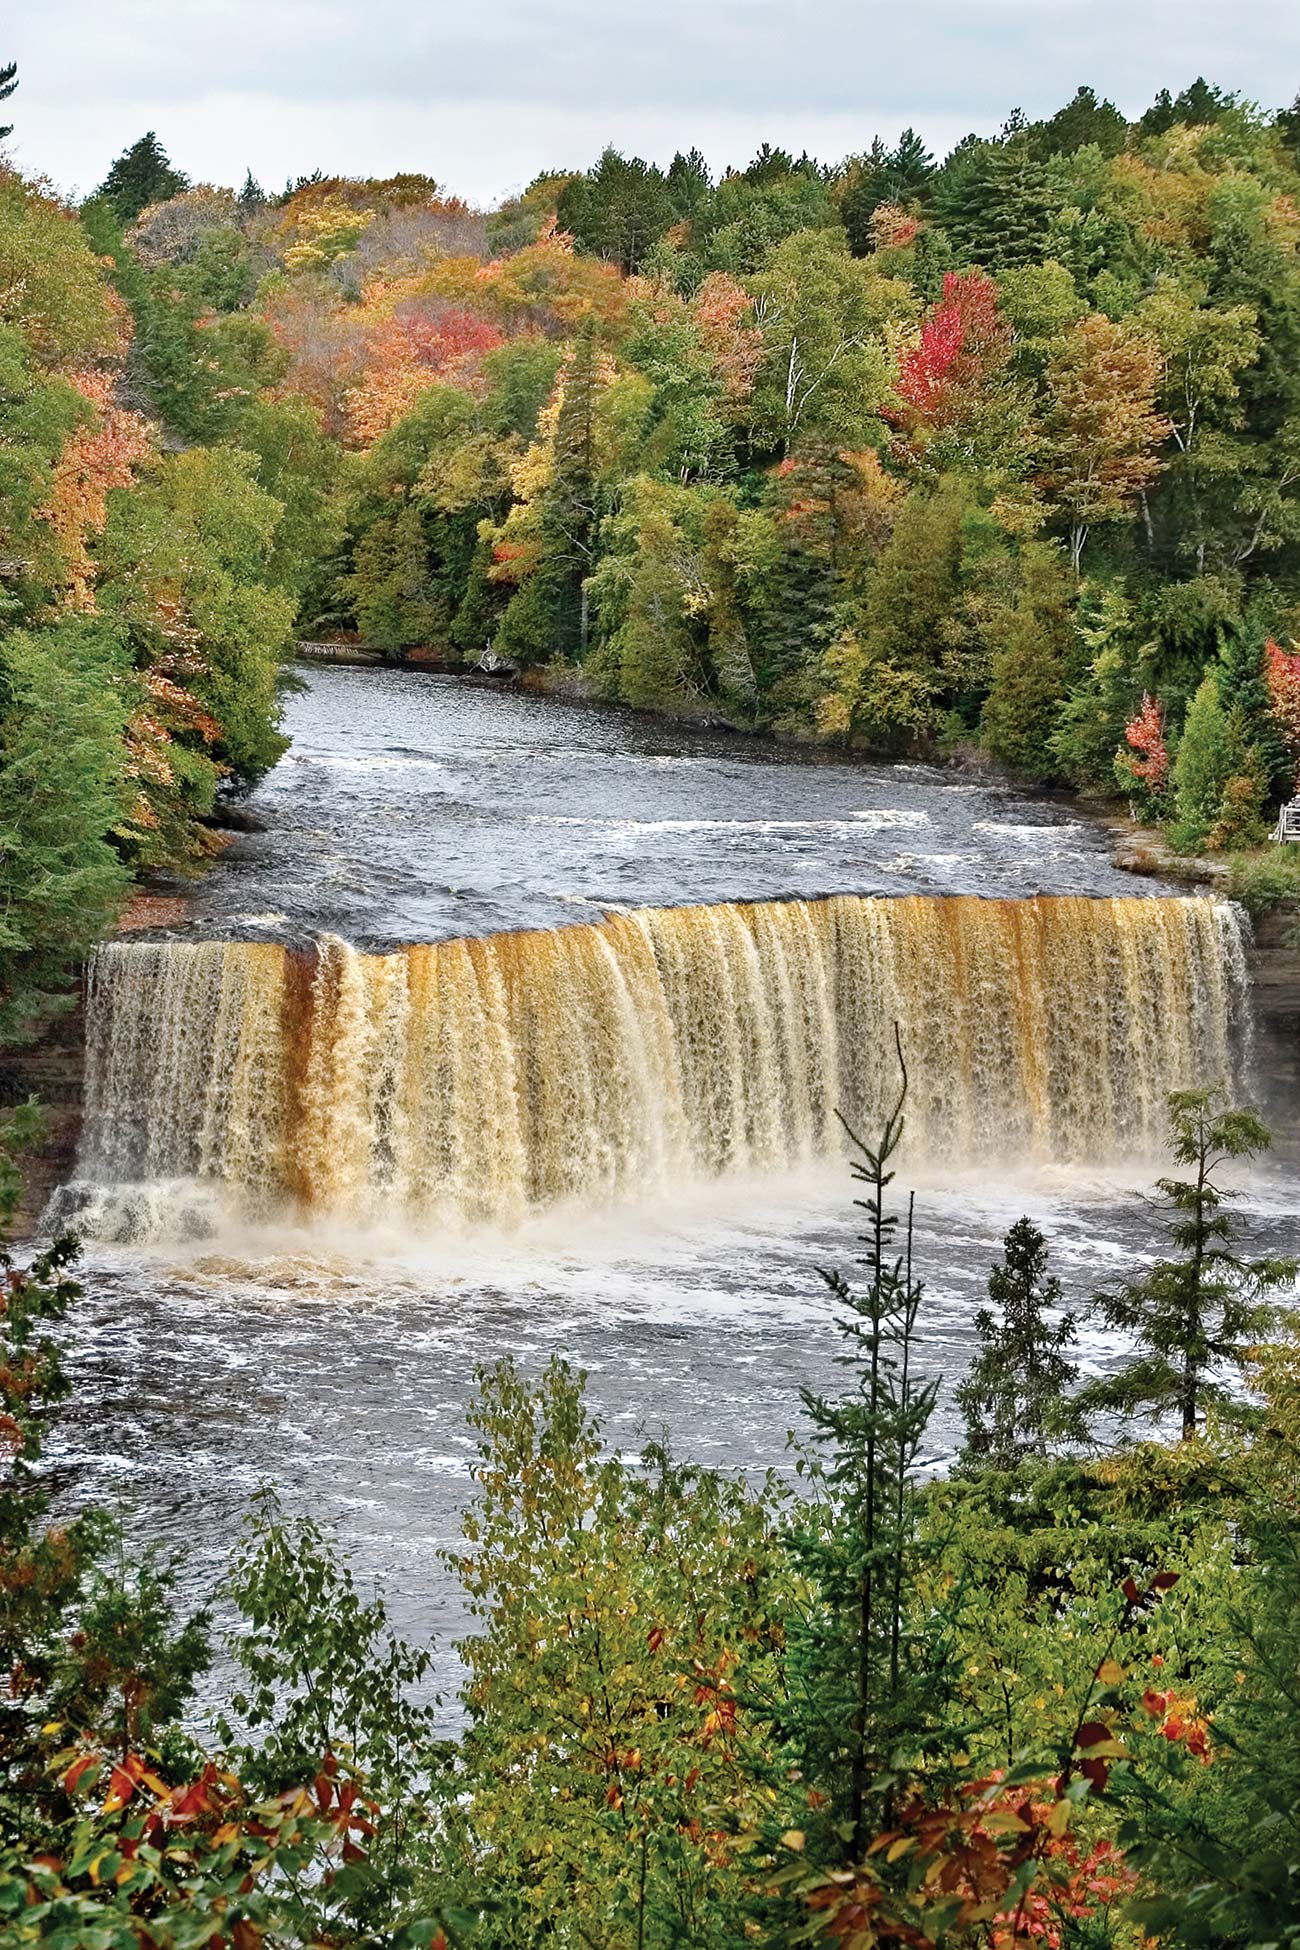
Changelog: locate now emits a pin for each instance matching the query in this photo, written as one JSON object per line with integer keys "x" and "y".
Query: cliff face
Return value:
{"x": 1275, "y": 981}
{"x": 50, "y": 1071}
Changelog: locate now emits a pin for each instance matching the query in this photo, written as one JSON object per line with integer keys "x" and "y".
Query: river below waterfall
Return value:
{"x": 329, "y": 1346}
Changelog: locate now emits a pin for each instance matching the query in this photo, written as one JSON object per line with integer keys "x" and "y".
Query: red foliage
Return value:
{"x": 960, "y": 340}
{"x": 1147, "y": 758}
{"x": 1180, "y": 1722}
{"x": 1284, "y": 692}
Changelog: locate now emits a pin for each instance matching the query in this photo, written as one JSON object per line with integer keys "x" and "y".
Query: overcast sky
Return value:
{"x": 484, "y": 96}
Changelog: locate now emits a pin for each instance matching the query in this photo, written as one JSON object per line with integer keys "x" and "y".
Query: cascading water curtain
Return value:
{"x": 481, "y": 1079}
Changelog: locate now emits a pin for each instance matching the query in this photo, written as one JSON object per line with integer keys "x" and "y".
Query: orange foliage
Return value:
{"x": 723, "y": 312}
{"x": 99, "y": 458}
{"x": 545, "y": 287}
{"x": 415, "y": 339}
{"x": 1283, "y": 671}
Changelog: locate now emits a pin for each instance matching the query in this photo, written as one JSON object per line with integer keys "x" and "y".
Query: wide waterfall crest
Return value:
{"x": 478, "y": 1080}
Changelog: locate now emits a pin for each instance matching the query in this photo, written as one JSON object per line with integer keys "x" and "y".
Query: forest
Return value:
{"x": 997, "y": 454}
{"x": 1045, "y": 1702}
{"x": 991, "y": 459}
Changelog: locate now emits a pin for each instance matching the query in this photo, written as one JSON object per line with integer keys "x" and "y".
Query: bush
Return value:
{"x": 1263, "y": 881}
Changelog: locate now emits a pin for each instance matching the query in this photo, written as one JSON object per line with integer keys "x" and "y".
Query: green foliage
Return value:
{"x": 63, "y": 795}
{"x": 995, "y": 202}
{"x": 866, "y": 1680}
{"x": 621, "y": 1680}
{"x": 322, "y": 1673}
{"x": 618, "y": 210}
{"x": 141, "y": 175}
{"x": 1220, "y": 784}
{"x": 1013, "y": 1397}
{"x": 198, "y": 538}
{"x": 1264, "y": 881}
{"x": 1196, "y": 1316}
{"x": 1223, "y": 1862}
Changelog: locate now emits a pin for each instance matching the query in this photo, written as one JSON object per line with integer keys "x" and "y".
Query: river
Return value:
{"x": 303, "y": 1237}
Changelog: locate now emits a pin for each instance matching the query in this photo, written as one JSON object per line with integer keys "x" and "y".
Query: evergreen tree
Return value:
{"x": 994, "y": 202}
{"x": 868, "y": 1681}
{"x": 141, "y": 175}
{"x": 1288, "y": 127}
{"x": 1243, "y": 677}
{"x": 1197, "y": 105}
{"x": 1083, "y": 122}
{"x": 548, "y": 616}
{"x": 1013, "y": 1397}
{"x": 252, "y": 197}
{"x": 898, "y": 175}
{"x": 1220, "y": 784}
{"x": 619, "y": 210}
{"x": 729, "y": 653}
{"x": 1160, "y": 116}
{"x": 1203, "y": 1311}
{"x": 1029, "y": 670}
{"x": 689, "y": 184}
{"x": 8, "y": 82}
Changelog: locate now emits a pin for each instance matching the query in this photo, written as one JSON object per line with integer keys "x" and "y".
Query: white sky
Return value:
{"x": 484, "y": 97}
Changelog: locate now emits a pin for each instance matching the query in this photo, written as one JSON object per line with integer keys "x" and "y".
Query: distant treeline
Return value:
{"x": 999, "y": 450}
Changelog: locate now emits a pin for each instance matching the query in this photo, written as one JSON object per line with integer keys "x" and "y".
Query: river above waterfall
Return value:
{"x": 414, "y": 807}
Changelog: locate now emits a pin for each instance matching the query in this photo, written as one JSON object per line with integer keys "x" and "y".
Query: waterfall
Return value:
{"x": 481, "y": 1079}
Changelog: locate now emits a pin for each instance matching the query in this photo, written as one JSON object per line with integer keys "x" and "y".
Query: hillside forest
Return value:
{"x": 1000, "y": 452}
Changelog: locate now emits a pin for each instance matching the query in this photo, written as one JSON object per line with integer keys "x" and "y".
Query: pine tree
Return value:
{"x": 1244, "y": 679}
{"x": 141, "y": 175}
{"x": 1193, "y": 1316}
{"x": 867, "y": 1682}
{"x": 8, "y": 82}
{"x": 252, "y": 196}
{"x": 1013, "y": 1397}
{"x": 1220, "y": 781}
{"x": 1083, "y": 122}
{"x": 994, "y": 202}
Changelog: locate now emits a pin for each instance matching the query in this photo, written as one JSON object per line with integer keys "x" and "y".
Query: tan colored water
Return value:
{"x": 483, "y": 1079}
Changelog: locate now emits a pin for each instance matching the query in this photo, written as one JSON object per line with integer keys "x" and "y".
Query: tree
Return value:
{"x": 1083, "y": 122}
{"x": 8, "y": 83}
{"x": 882, "y": 176}
{"x": 625, "y": 1655}
{"x": 618, "y": 210}
{"x": 63, "y": 794}
{"x": 824, "y": 364}
{"x": 1220, "y": 785}
{"x": 1013, "y": 1397}
{"x": 1032, "y": 643}
{"x": 1102, "y": 430}
{"x": 995, "y": 202}
{"x": 867, "y": 1679}
{"x": 1193, "y": 1316}
{"x": 141, "y": 175}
